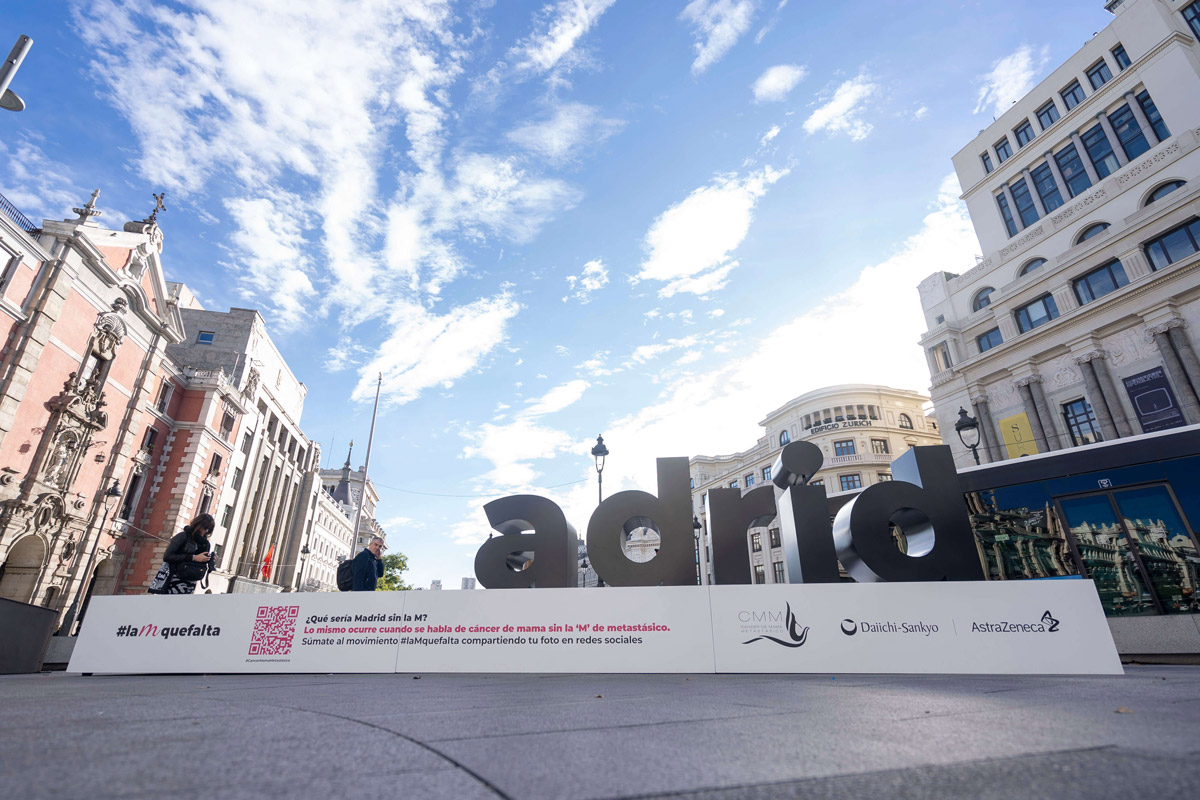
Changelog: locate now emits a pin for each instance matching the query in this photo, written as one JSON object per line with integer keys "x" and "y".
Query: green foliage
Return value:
{"x": 394, "y": 567}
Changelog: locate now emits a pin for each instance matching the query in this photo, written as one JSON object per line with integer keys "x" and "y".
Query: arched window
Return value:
{"x": 784, "y": 438}
{"x": 1091, "y": 230}
{"x": 1031, "y": 265}
{"x": 982, "y": 298}
{"x": 1162, "y": 191}
{"x": 906, "y": 422}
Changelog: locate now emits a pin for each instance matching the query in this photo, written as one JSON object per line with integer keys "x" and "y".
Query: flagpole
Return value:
{"x": 366, "y": 467}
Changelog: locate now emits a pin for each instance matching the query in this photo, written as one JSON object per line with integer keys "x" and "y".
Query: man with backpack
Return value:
{"x": 367, "y": 567}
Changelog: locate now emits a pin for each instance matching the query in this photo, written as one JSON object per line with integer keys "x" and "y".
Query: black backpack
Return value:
{"x": 345, "y": 575}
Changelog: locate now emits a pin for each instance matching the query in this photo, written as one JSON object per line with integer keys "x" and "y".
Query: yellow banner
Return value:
{"x": 1018, "y": 436}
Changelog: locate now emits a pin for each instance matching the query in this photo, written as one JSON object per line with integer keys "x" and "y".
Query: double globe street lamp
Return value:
{"x": 599, "y": 452}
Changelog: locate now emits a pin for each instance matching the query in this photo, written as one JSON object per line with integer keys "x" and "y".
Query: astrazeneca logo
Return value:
{"x": 851, "y": 627}
{"x": 1047, "y": 624}
{"x": 766, "y": 622}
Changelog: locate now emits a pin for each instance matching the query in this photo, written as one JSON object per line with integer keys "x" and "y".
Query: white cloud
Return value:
{"x": 716, "y": 313}
{"x": 558, "y": 138}
{"x": 769, "y": 135}
{"x": 556, "y": 30}
{"x": 718, "y": 24}
{"x": 842, "y": 113}
{"x": 593, "y": 278}
{"x": 1011, "y": 79}
{"x": 425, "y": 350}
{"x": 557, "y": 399}
{"x": 271, "y": 255}
{"x": 774, "y": 84}
{"x": 690, "y": 244}
{"x": 40, "y": 187}
{"x": 920, "y": 113}
{"x": 765, "y": 29}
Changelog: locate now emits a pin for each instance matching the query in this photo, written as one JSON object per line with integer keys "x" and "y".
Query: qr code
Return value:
{"x": 274, "y": 629}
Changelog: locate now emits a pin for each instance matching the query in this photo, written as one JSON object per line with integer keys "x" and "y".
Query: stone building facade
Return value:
{"x": 860, "y": 429}
{"x": 1078, "y": 324}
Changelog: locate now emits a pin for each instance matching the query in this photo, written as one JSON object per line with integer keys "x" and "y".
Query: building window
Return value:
{"x": 1133, "y": 142}
{"x": 774, "y": 533}
{"x": 778, "y": 567}
{"x": 987, "y": 341}
{"x": 1090, "y": 231}
{"x": 1025, "y": 207}
{"x": 883, "y": 476}
{"x": 205, "y": 501}
{"x": 1175, "y": 244}
{"x": 131, "y": 496}
{"x": 214, "y": 467}
{"x": 905, "y": 422}
{"x": 733, "y": 484}
{"x": 205, "y": 337}
{"x": 1006, "y": 215}
{"x": 749, "y": 480}
{"x": 1047, "y": 189}
{"x": 247, "y": 441}
{"x": 1081, "y": 422}
{"x": 844, "y": 448}
{"x": 880, "y": 447}
{"x": 784, "y": 438}
{"x": 1099, "y": 74}
{"x": 1100, "y": 151}
{"x": 237, "y": 478}
{"x": 817, "y": 482}
{"x": 1099, "y": 282}
{"x": 1072, "y": 95}
{"x": 1121, "y": 57}
{"x": 1164, "y": 190}
{"x": 164, "y": 396}
{"x": 1024, "y": 134}
{"x": 939, "y": 357}
{"x": 1047, "y": 115}
{"x": 760, "y": 575}
{"x": 756, "y": 542}
{"x": 849, "y": 482}
{"x": 693, "y": 483}
{"x": 1073, "y": 172}
{"x": 148, "y": 441}
{"x": 1037, "y": 313}
{"x": 987, "y": 162}
{"x": 1192, "y": 15}
{"x": 1003, "y": 150}
{"x": 1030, "y": 266}
{"x": 226, "y": 517}
{"x": 766, "y": 474}
{"x": 1152, "y": 116}
{"x": 227, "y": 422}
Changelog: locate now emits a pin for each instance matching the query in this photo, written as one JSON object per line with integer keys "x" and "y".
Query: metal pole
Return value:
{"x": 8, "y": 71}
{"x": 362, "y": 495}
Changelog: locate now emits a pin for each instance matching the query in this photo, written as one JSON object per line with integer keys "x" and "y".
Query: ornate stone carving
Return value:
{"x": 1028, "y": 379}
{"x": 1030, "y": 235}
{"x": 1064, "y": 376}
{"x": 1090, "y": 355}
{"x": 1163, "y": 327}
{"x": 1131, "y": 173}
{"x": 1082, "y": 205}
{"x": 251, "y": 384}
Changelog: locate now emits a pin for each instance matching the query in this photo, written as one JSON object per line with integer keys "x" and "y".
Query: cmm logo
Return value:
{"x": 796, "y": 636}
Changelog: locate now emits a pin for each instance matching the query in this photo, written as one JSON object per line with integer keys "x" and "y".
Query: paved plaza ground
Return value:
{"x": 601, "y": 736}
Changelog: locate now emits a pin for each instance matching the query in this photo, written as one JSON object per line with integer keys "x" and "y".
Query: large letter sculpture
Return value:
{"x": 929, "y": 501}
{"x": 730, "y": 514}
{"x": 553, "y": 542}
{"x": 670, "y": 513}
{"x": 804, "y": 516}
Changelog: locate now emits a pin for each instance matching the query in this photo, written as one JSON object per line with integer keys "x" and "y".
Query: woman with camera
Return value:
{"x": 187, "y": 559}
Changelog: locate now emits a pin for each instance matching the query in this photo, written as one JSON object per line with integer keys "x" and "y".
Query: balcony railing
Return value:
{"x": 16, "y": 216}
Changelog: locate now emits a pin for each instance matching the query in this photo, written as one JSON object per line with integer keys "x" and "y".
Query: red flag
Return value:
{"x": 266, "y": 569}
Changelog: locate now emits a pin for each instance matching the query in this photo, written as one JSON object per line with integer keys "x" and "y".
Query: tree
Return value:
{"x": 394, "y": 567}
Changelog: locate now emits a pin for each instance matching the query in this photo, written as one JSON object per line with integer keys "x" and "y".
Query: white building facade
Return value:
{"x": 860, "y": 429}
{"x": 1077, "y": 325}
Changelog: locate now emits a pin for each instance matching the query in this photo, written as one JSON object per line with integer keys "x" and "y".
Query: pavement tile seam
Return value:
{"x": 423, "y": 745}
{"x": 816, "y": 779}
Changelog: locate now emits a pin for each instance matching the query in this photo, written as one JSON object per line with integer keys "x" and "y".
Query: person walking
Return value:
{"x": 186, "y": 560}
{"x": 368, "y": 566}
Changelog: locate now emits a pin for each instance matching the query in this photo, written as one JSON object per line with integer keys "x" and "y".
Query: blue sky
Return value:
{"x": 539, "y": 221}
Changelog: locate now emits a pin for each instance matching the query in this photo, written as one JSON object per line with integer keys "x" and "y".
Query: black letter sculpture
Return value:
{"x": 929, "y": 501}
{"x": 804, "y": 516}
{"x": 670, "y": 513}
{"x": 553, "y": 542}
{"x": 730, "y": 514}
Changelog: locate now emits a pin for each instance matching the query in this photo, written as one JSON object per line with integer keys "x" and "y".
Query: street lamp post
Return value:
{"x": 599, "y": 452}
{"x": 696, "y": 528}
{"x": 304, "y": 551}
{"x": 110, "y": 497}
{"x": 10, "y": 100}
{"x": 967, "y": 428}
